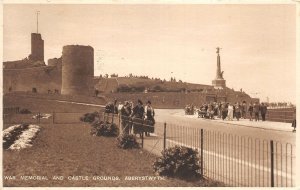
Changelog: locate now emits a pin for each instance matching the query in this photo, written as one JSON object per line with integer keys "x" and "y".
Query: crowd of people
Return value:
{"x": 138, "y": 118}
{"x": 230, "y": 111}
{"x": 280, "y": 104}
{"x": 190, "y": 109}
{"x": 134, "y": 119}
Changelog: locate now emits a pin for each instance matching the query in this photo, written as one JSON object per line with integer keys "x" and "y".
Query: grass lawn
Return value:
{"x": 69, "y": 150}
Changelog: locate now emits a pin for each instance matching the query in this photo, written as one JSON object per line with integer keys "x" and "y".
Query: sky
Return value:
{"x": 258, "y": 42}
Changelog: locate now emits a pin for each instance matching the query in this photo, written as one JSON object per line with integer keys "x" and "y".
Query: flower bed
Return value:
{"x": 20, "y": 136}
{"x": 41, "y": 116}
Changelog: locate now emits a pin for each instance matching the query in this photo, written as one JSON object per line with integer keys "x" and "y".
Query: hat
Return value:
{"x": 139, "y": 101}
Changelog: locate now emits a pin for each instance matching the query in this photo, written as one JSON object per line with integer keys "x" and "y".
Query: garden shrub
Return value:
{"x": 25, "y": 111}
{"x": 127, "y": 141}
{"x": 100, "y": 128}
{"x": 89, "y": 117}
{"x": 178, "y": 161}
{"x": 95, "y": 130}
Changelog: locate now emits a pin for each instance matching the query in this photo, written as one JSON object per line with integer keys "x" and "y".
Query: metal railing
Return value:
{"x": 235, "y": 160}
{"x": 238, "y": 160}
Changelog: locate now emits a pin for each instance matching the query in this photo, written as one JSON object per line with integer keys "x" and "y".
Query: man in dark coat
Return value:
{"x": 223, "y": 111}
{"x": 112, "y": 107}
{"x": 244, "y": 109}
{"x": 263, "y": 111}
{"x": 294, "y": 125}
{"x": 138, "y": 110}
{"x": 250, "y": 110}
{"x": 256, "y": 109}
{"x": 294, "y": 122}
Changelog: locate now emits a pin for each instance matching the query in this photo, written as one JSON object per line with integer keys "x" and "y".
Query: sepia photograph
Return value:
{"x": 149, "y": 94}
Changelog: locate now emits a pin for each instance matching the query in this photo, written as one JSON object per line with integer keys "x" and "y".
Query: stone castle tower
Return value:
{"x": 77, "y": 70}
{"x": 37, "y": 47}
{"x": 219, "y": 82}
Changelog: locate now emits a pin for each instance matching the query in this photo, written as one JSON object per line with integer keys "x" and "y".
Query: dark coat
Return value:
{"x": 138, "y": 112}
{"x": 256, "y": 108}
{"x": 125, "y": 111}
{"x": 263, "y": 109}
{"x": 250, "y": 109}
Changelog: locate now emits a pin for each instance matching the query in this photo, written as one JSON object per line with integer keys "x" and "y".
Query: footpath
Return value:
{"x": 268, "y": 125}
{"x": 279, "y": 126}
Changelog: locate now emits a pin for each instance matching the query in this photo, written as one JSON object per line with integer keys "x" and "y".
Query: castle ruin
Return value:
{"x": 37, "y": 47}
{"x": 70, "y": 74}
{"x": 73, "y": 74}
{"x": 77, "y": 70}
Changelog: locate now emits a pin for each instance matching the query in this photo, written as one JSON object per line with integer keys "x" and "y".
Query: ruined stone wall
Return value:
{"x": 20, "y": 64}
{"x": 42, "y": 78}
{"x": 55, "y": 62}
{"x": 77, "y": 70}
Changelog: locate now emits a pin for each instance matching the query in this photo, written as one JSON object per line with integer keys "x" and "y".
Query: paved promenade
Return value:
{"x": 259, "y": 124}
{"x": 268, "y": 125}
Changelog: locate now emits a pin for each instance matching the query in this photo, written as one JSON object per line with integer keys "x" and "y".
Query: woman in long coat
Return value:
{"x": 238, "y": 111}
{"x": 223, "y": 111}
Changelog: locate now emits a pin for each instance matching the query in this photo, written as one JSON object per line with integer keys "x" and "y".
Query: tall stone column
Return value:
{"x": 219, "y": 81}
{"x": 219, "y": 74}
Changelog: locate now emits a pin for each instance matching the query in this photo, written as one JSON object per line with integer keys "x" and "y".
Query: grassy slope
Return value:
{"x": 108, "y": 85}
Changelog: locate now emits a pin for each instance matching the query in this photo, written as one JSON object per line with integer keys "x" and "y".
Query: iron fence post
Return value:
{"x": 142, "y": 139}
{"x": 165, "y": 135}
{"x": 119, "y": 120}
{"x": 201, "y": 149}
{"x": 53, "y": 119}
{"x": 272, "y": 162}
{"x": 38, "y": 117}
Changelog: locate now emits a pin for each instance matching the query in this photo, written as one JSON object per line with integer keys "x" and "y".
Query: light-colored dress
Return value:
{"x": 230, "y": 112}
